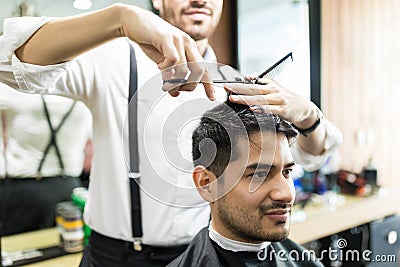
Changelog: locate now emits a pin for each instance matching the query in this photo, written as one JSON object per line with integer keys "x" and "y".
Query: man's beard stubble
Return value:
{"x": 198, "y": 31}
{"x": 248, "y": 227}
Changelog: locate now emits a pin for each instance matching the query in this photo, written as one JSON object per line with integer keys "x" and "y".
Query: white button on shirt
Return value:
{"x": 172, "y": 210}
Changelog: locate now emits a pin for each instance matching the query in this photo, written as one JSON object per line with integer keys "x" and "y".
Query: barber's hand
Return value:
{"x": 169, "y": 47}
{"x": 272, "y": 97}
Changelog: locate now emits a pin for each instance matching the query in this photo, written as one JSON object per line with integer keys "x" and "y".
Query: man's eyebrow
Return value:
{"x": 291, "y": 164}
{"x": 257, "y": 165}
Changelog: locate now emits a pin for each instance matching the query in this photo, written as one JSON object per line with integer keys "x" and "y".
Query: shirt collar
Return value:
{"x": 209, "y": 55}
{"x": 233, "y": 245}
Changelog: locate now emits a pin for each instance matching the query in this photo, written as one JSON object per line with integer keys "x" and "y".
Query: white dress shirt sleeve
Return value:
{"x": 16, "y": 32}
{"x": 311, "y": 162}
{"x": 16, "y": 73}
{"x": 79, "y": 78}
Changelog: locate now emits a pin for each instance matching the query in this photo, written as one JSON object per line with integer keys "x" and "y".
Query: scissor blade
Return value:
{"x": 214, "y": 81}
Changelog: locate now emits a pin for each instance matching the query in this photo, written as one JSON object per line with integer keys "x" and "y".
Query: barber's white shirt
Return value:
{"x": 28, "y": 135}
{"x": 172, "y": 210}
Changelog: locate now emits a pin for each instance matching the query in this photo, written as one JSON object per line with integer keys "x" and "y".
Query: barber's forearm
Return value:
{"x": 314, "y": 142}
{"x": 64, "y": 39}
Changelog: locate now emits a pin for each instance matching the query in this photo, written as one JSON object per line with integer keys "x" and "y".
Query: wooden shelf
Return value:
{"x": 45, "y": 241}
{"x": 323, "y": 220}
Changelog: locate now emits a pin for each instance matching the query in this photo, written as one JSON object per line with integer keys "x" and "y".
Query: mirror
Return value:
{"x": 41, "y": 162}
{"x": 270, "y": 29}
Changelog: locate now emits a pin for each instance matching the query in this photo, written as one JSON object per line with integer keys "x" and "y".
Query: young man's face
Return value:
{"x": 197, "y": 18}
{"x": 264, "y": 213}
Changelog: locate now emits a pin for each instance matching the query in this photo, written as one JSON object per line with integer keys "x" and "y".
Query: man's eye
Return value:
{"x": 287, "y": 173}
{"x": 260, "y": 175}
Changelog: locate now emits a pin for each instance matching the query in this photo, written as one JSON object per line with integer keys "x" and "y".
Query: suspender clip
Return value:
{"x": 135, "y": 175}
{"x": 137, "y": 243}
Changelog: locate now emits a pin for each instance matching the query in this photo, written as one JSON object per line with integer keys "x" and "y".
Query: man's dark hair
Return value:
{"x": 214, "y": 140}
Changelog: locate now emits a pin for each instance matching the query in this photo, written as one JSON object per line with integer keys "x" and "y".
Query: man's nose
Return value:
{"x": 282, "y": 189}
{"x": 199, "y": 2}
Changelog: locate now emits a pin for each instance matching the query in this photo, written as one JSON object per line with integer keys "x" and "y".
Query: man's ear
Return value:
{"x": 157, "y": 4}
{"x": 202, "y": 179}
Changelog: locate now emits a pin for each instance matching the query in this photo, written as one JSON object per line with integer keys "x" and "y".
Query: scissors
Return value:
{"x": 271, "y": 72}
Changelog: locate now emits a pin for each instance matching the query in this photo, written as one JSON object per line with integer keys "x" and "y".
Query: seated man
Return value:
{"x": 243, "y": 169}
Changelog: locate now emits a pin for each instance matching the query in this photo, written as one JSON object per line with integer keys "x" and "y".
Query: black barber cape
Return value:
{"x": 204, "y": 252}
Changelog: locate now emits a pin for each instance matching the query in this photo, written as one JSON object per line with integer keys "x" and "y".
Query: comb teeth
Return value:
{"x": 277, "y": 68}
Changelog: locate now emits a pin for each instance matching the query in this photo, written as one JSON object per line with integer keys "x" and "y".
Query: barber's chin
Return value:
{"x": 197, "y": 36}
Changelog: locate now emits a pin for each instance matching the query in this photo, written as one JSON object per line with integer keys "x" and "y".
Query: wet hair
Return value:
{"x": 214, "y": 140}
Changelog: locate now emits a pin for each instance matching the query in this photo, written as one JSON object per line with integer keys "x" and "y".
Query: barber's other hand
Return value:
{"x": 274, "y": 98}
{"x": 169, "y": 47}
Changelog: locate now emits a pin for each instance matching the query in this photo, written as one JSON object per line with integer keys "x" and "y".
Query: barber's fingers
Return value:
{"x": 270, "y": 99}
{"x": 183, "y": 46}
{"x": 196, "y": 66}
{"x": 260, "y": 104}
{"x": 208, "y": 85}
{"x": 175, "y": 63}
{"x": 198, "y": 74}
{"x": 190, "y": 69}
{"x": 188, "y": 80}
{"x": 169, "y": 47}
{"x": 251, "y": 76}
{"x": 174, "y": 93}
{"x": 197, "y": 71}
{"x": 266, "y": 80}
{"x": 250, "y": 89}
{"x": 172, "y": 47}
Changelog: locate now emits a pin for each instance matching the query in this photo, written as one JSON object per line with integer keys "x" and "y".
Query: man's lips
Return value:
{"x": 197, "y": 11}
{"x": 279, "y": 214}
{"x": 198, "y": 14}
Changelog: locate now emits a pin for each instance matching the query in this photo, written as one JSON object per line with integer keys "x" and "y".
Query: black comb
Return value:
{"x": 277, "y": 68}
{"x": 271, "y": 72}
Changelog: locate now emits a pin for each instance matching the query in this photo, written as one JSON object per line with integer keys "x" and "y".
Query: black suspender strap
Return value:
{"x": 134, "y": 173}
{"x": 53, "y": 141}
{"x": 3, "y": 128}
